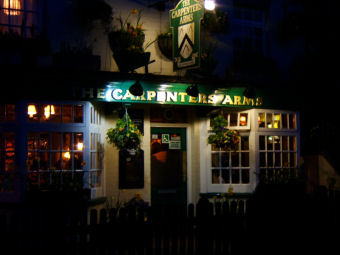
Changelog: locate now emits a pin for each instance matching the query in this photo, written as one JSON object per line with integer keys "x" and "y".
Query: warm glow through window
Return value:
{"x": 11, "y": 7}
{"x": 48, "y": 111}
{"x": 80, "y": 146}
{"x": 31, "y": 110}
{"x": 67, "y": 155}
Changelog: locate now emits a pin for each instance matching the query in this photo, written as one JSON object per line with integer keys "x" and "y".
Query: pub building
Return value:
{"x": 60, "y": 130}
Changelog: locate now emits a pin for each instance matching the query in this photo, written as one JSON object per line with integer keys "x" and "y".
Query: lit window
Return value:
{"x": 7, "y": 161}
{"x": 231, "y": 166}
{"x": 278, "y": 158}
{"x": 277, "y": 120}
{"x": 19, "y": 17}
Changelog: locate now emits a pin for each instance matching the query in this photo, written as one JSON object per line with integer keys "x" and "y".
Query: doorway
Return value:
{"x": 168, "y": 166}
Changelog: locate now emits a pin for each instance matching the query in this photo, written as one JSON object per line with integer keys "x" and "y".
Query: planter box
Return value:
{"x": 128, "y": 61}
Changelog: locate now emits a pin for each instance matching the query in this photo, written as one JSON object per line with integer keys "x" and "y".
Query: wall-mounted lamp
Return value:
{"x": 209, "y": 5}
{"x": 249, "y": 92}
{"x": 136, "y": 89}
{"x": 192, "y": 90}
{"x": 31, "y": 110}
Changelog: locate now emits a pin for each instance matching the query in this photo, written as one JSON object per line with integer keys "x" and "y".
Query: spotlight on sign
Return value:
{"x": 136, "y": 89}
{"x": 209, "y": 5}
{"x": 192, "y": 90}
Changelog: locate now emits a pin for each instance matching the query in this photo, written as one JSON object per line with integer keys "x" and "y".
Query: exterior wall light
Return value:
{"x": 192, "y": 90}
{"x": 209, "y": 5}
{"x": 136, "y": 89}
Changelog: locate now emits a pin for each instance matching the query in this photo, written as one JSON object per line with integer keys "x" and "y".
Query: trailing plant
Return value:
{"x": 222, "y": 137}
{"x": 125, "y": 135}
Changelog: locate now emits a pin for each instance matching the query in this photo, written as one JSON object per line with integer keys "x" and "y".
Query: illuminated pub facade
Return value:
{"x": 42, "y": 140}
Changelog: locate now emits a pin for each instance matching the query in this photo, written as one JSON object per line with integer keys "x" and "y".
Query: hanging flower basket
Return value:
{"x": 164, "y": 42}
{"x": 125, "y": 136}
{"x": 129, "y": 60}
{"x": 222, "y": 137}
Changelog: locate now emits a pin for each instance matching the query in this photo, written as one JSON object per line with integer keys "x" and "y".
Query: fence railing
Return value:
{"x": 204, "y": 228}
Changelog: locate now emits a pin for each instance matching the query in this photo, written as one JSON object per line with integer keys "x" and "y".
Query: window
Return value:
{"x": 7, "y": 161}
{"x": 96, "y": 160}
{"x": 274, "y": 120}
{"x": 55, "y": 113}
{"x": 278, "y": 157}
{"x": 239, "y": 120}
{"x": 19, "y": 16}
{"x": 231, "y": 166}
{"x": 7, "y": 113}
{"x": 50, "y": 155}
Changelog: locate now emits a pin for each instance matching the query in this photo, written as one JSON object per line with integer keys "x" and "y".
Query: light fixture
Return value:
{"x": 192, "y": 90}
{"x": 31, "y": 110}
{"x": 80, "y": 146}
{"x": 209, "y": 5}
{"x": 67, "y": 155}
{"x": 48, "y": 111}
{"x": 136, "y": 89}
{"x": 249, "y": 92}
{"x": 11, "y": 7}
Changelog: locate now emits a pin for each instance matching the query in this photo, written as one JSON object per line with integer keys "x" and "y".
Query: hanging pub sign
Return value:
{"x": 185, "y": 22}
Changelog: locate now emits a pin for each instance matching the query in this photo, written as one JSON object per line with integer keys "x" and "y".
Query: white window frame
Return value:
{"x": 254, "y": 132}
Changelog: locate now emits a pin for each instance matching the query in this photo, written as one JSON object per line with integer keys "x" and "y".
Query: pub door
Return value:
{"x": 168, "y": 166}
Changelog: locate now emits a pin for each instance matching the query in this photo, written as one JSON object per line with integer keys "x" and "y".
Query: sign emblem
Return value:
{"x": 185, "y": 22}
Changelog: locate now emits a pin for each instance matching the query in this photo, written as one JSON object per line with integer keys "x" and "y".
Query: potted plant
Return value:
{"x": 125, "y": 136}
{"x": 127, "y": 42}
{"x": 222, "y": 137}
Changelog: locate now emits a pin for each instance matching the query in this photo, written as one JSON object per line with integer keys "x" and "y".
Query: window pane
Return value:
{"x": 67, "y": 138}
{"x": 78, "y": 113}
{"x": 78, "y": 159}
{"x": 100, "y": 160}
{"x": 270, "y": 159}
{"x": 245, "y": 159}
{"x": 215, "y": 176}
{"x": 78, "y": 141}
{"x": 32, "y": 162}
{"x": 284, "y": 120}
{"x": 233, "y": 119}
{"x": 235, "y": 159}
{"x": 278, "y": 159}
{"x": 32, "y": 141}
{"x": 277, "y": 121}
{"x": 93, "y": 160}
{"x": 225, "y": 176}
{"x": 67, "y": 113}
{"x": 55, "y": 160}
{"x": 245, "y": 143}
{"x": 44, "y": 141}
{"x": 292, "y": 121}
{"x": 46, "y": 112}
{"x": 277, "y": 143}
{"x": 270, "y": 143}
{"x": 66, "y": 161}
{"x": 56, "y": 141}
{"x": 99, "y": 178}
{"x": 243, "y": 119}
{"x": 245, "y": 176}
{"x": 293, "y": 162}
{"x": 215, "y": 160}
{"x": 44, "y": 161}
{"x": 284, "y": 143}
{"x": 262, "y": 120}
{"x": 235, "y": 176}
{"x": 292, "y": 143}
{"x": 225, "y": 159}
{"x": 9, "y": 152}
{"x": 56, "y": 113}
{"x": 263, "y": 159}
{"x": 269, "y": 120}
{"x": 285, "y": 161}
{"x": 262, "y": 142}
